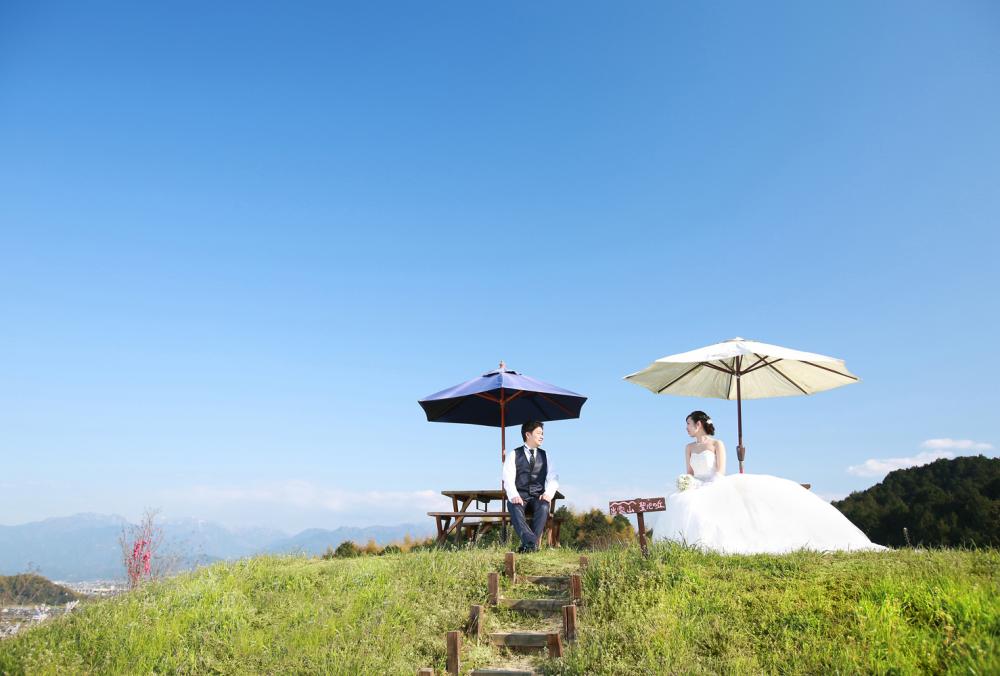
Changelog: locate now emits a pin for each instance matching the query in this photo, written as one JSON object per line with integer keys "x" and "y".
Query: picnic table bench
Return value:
{"x": 472, "y": 517}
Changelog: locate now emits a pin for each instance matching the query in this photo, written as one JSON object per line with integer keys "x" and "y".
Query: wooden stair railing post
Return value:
{"x": 454, "y": 649}
{"x": 493, "y": 583}
{"x": 569, "y": 622}
{"x": 475, "y": 621}
{"x": 576, "y": 587}
{"x": 509, "y": 565}
{"x": 555, "y": 645}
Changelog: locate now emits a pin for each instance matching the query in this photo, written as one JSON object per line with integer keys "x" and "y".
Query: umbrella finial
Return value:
{"x": 503, "y": 365}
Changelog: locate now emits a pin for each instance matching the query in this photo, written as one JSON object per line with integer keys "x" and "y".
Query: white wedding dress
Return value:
{"x": 754, "y": 514}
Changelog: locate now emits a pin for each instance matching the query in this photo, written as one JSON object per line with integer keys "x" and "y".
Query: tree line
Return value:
{"x": 948, "y": 503}
{"x": 579, "y": 530}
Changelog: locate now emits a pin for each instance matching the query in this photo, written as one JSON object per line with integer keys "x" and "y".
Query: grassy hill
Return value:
{"x": 680, "y": 611}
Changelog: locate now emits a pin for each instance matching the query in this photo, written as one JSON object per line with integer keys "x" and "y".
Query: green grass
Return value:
{"x": 681, "y": 611}
{"x": 687, "y": 612}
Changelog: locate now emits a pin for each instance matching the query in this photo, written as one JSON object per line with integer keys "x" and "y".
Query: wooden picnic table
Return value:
{"x": 472, "y": 516}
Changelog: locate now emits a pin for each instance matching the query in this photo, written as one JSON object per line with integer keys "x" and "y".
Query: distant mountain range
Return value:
{"x": 85, "y": 546}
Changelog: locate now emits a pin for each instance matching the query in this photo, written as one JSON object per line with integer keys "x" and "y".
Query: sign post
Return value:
{"x": 638, "y": 506}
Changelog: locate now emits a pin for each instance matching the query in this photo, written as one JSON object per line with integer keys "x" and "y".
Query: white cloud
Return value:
{"x": 956, "y": 445}
{"x": 881, "y": 467}
{"x": 307, "y": 495}
{"x": 937, "y": 449}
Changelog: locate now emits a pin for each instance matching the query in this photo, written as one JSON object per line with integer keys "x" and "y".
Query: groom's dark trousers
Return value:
{"x": 529, "y": 536}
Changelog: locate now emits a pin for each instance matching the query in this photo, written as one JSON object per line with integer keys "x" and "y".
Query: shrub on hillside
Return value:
{"x": 348, "y": 549}
{"x": 593, "y": 529}
{"x": 29, "y": 588}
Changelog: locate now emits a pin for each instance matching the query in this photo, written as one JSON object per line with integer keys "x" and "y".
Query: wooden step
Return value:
{"x": 536, "y": 605}
{"x": 547, "y": 580}
{"x": 501, "y": 672}
{"x": 520, "y": 639}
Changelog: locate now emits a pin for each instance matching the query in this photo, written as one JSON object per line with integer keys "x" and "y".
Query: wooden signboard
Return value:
{"x": 638, "y": 506}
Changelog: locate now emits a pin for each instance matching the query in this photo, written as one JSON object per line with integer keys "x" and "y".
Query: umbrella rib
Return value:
{"x": 515, "y": 396}
{"x": 788, "y": 379}
{"x": 713, "y": 366}
{"x": 452, "y": 405}
{"x": 553, "y": 401}
{"x": 830, "y": 370}
{"x": 756, "y": 364}
{"x": 487, "y": 397}
{"x": 503, "y": 402}
{"x": 538, "y": 407}
{"x": 755, "y": 367}
{"x": 693, "y": 368}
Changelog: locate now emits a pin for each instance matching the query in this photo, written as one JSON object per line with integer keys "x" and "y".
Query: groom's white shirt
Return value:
{"x": 510, "y": 475}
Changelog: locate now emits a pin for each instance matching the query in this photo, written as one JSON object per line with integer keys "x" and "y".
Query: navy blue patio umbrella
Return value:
{"x": 501, "y": 398}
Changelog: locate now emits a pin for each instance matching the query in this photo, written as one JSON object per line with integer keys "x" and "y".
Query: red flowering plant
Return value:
{"x": 140, "y": 544}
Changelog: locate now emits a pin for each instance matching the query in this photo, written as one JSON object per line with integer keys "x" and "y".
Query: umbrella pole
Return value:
{"x": 741, "y": 451}
{"x": 503, "y": 457}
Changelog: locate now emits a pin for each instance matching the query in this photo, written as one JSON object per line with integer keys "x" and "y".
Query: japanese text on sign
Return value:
{"x": 637, "y": 505}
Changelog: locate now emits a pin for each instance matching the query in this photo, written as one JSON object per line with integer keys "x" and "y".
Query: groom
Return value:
{"x": 530, "y": 483}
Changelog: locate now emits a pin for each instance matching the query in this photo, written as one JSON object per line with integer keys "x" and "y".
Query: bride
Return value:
{"x": 748, "y": 513}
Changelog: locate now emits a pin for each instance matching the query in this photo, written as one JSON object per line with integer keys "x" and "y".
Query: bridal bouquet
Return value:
{"x": 686, "y": 482}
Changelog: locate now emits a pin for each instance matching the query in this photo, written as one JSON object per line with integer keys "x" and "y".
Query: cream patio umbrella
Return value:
{"x": 743, "y": 369}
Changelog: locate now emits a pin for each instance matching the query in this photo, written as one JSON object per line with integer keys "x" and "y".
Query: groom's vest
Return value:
{"x": 530, "y": 483}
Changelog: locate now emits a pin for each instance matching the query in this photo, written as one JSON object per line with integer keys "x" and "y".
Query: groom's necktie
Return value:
{"x": 531, "y": 458}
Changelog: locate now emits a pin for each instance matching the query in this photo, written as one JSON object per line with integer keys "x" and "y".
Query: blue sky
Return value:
{"x": 238, "y": 242}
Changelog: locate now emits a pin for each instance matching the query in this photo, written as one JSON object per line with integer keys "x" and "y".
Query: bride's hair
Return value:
{"x": 702, "y": 417}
